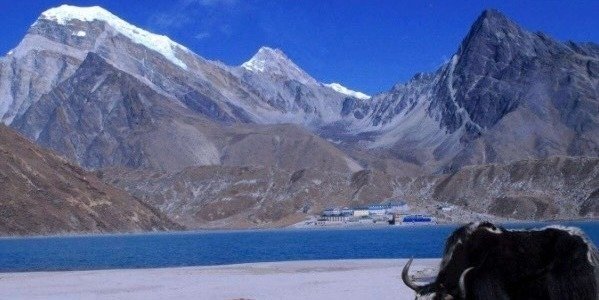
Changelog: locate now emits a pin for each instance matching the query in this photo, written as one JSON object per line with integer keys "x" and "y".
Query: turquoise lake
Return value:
{"x": 153, "y": 250}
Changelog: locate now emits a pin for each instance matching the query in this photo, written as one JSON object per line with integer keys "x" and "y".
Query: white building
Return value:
{"x": 377, "y": 209}
{"x": 361, "y": 212}
{"x": 331, "y": 212}
{"x": 397, "y": 207}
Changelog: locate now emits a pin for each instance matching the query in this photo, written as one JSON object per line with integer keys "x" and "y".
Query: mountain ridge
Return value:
{"x": 104, "y": 100}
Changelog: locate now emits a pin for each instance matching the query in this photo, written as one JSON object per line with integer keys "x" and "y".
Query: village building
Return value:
{"x": 445, "y": 208}
{"x": 397, "y": 212}
{"x": 337, "y": 218}
{"x": 336, "y": 215}
{"x": 417, "y": 219}
{"x": 397, "y": 207}
{"x": 377, "y": 209}
{"x": 361, "y": 212}
{"x": 331, "y": 212}
{"x": 346, "y": 211}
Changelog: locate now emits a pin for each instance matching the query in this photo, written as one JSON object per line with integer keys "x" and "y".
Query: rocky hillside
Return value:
{"x": 237, "y": 197}
{"x": 553, "y": 188}
{"x": 233, "y": 197}
{"x": 41, "y": 193}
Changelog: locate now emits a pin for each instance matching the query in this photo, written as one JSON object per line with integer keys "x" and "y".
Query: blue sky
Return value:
{"x": 365, "y": 45}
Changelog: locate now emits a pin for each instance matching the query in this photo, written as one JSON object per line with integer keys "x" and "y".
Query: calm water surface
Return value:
{"x": 229, "y": 247}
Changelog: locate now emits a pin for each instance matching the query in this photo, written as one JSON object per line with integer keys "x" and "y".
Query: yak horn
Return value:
{"x": 462, "y": 282}
{"x": 406, "y": 278}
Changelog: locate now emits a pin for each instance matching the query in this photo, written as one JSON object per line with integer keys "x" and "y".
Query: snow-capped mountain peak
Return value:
{"x": 343, "y": 90}
{"x": 159, "y": 43}
{"x": 275, "y": 62}
{"x": 262, "y": 58}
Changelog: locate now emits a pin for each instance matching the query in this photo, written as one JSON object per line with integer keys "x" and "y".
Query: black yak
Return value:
{"x": 484, "y": 261}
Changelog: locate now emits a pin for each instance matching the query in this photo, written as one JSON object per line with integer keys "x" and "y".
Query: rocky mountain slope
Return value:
{"x": 507, "y": 94}
{"x": 234, "y": 197}
{"x": 104, "y": 117}
{"x": 112, "y": 101}
{"x": 163, "y": 120}
{"x": 41, "y": 193}
{"x": 556, "y": 187}
{"x": 269, "y": 88}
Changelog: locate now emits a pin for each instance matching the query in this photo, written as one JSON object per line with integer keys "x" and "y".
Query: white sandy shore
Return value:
{"x": 330, "y": 279}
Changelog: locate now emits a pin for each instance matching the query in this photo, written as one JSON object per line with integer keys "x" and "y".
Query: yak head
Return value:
{"x": 460, "y": 257}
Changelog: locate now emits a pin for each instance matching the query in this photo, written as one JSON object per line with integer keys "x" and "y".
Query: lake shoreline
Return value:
{"x": 284, "y": 228}
{"x": 316, "y": 279}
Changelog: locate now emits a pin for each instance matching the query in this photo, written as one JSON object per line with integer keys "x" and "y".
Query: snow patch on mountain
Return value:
{"x": 275, "y": 63}
{"x": 452, "y": 92}
{"x": 256, "y": 65}
{"x": 159, "y": 43}
{"x": 343, "y": 90}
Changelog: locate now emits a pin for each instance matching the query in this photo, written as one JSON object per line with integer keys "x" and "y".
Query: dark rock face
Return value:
{"x": 499, "y": 66}
{"x": 489, "y": 66}
{"x": 502, "y": 70}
